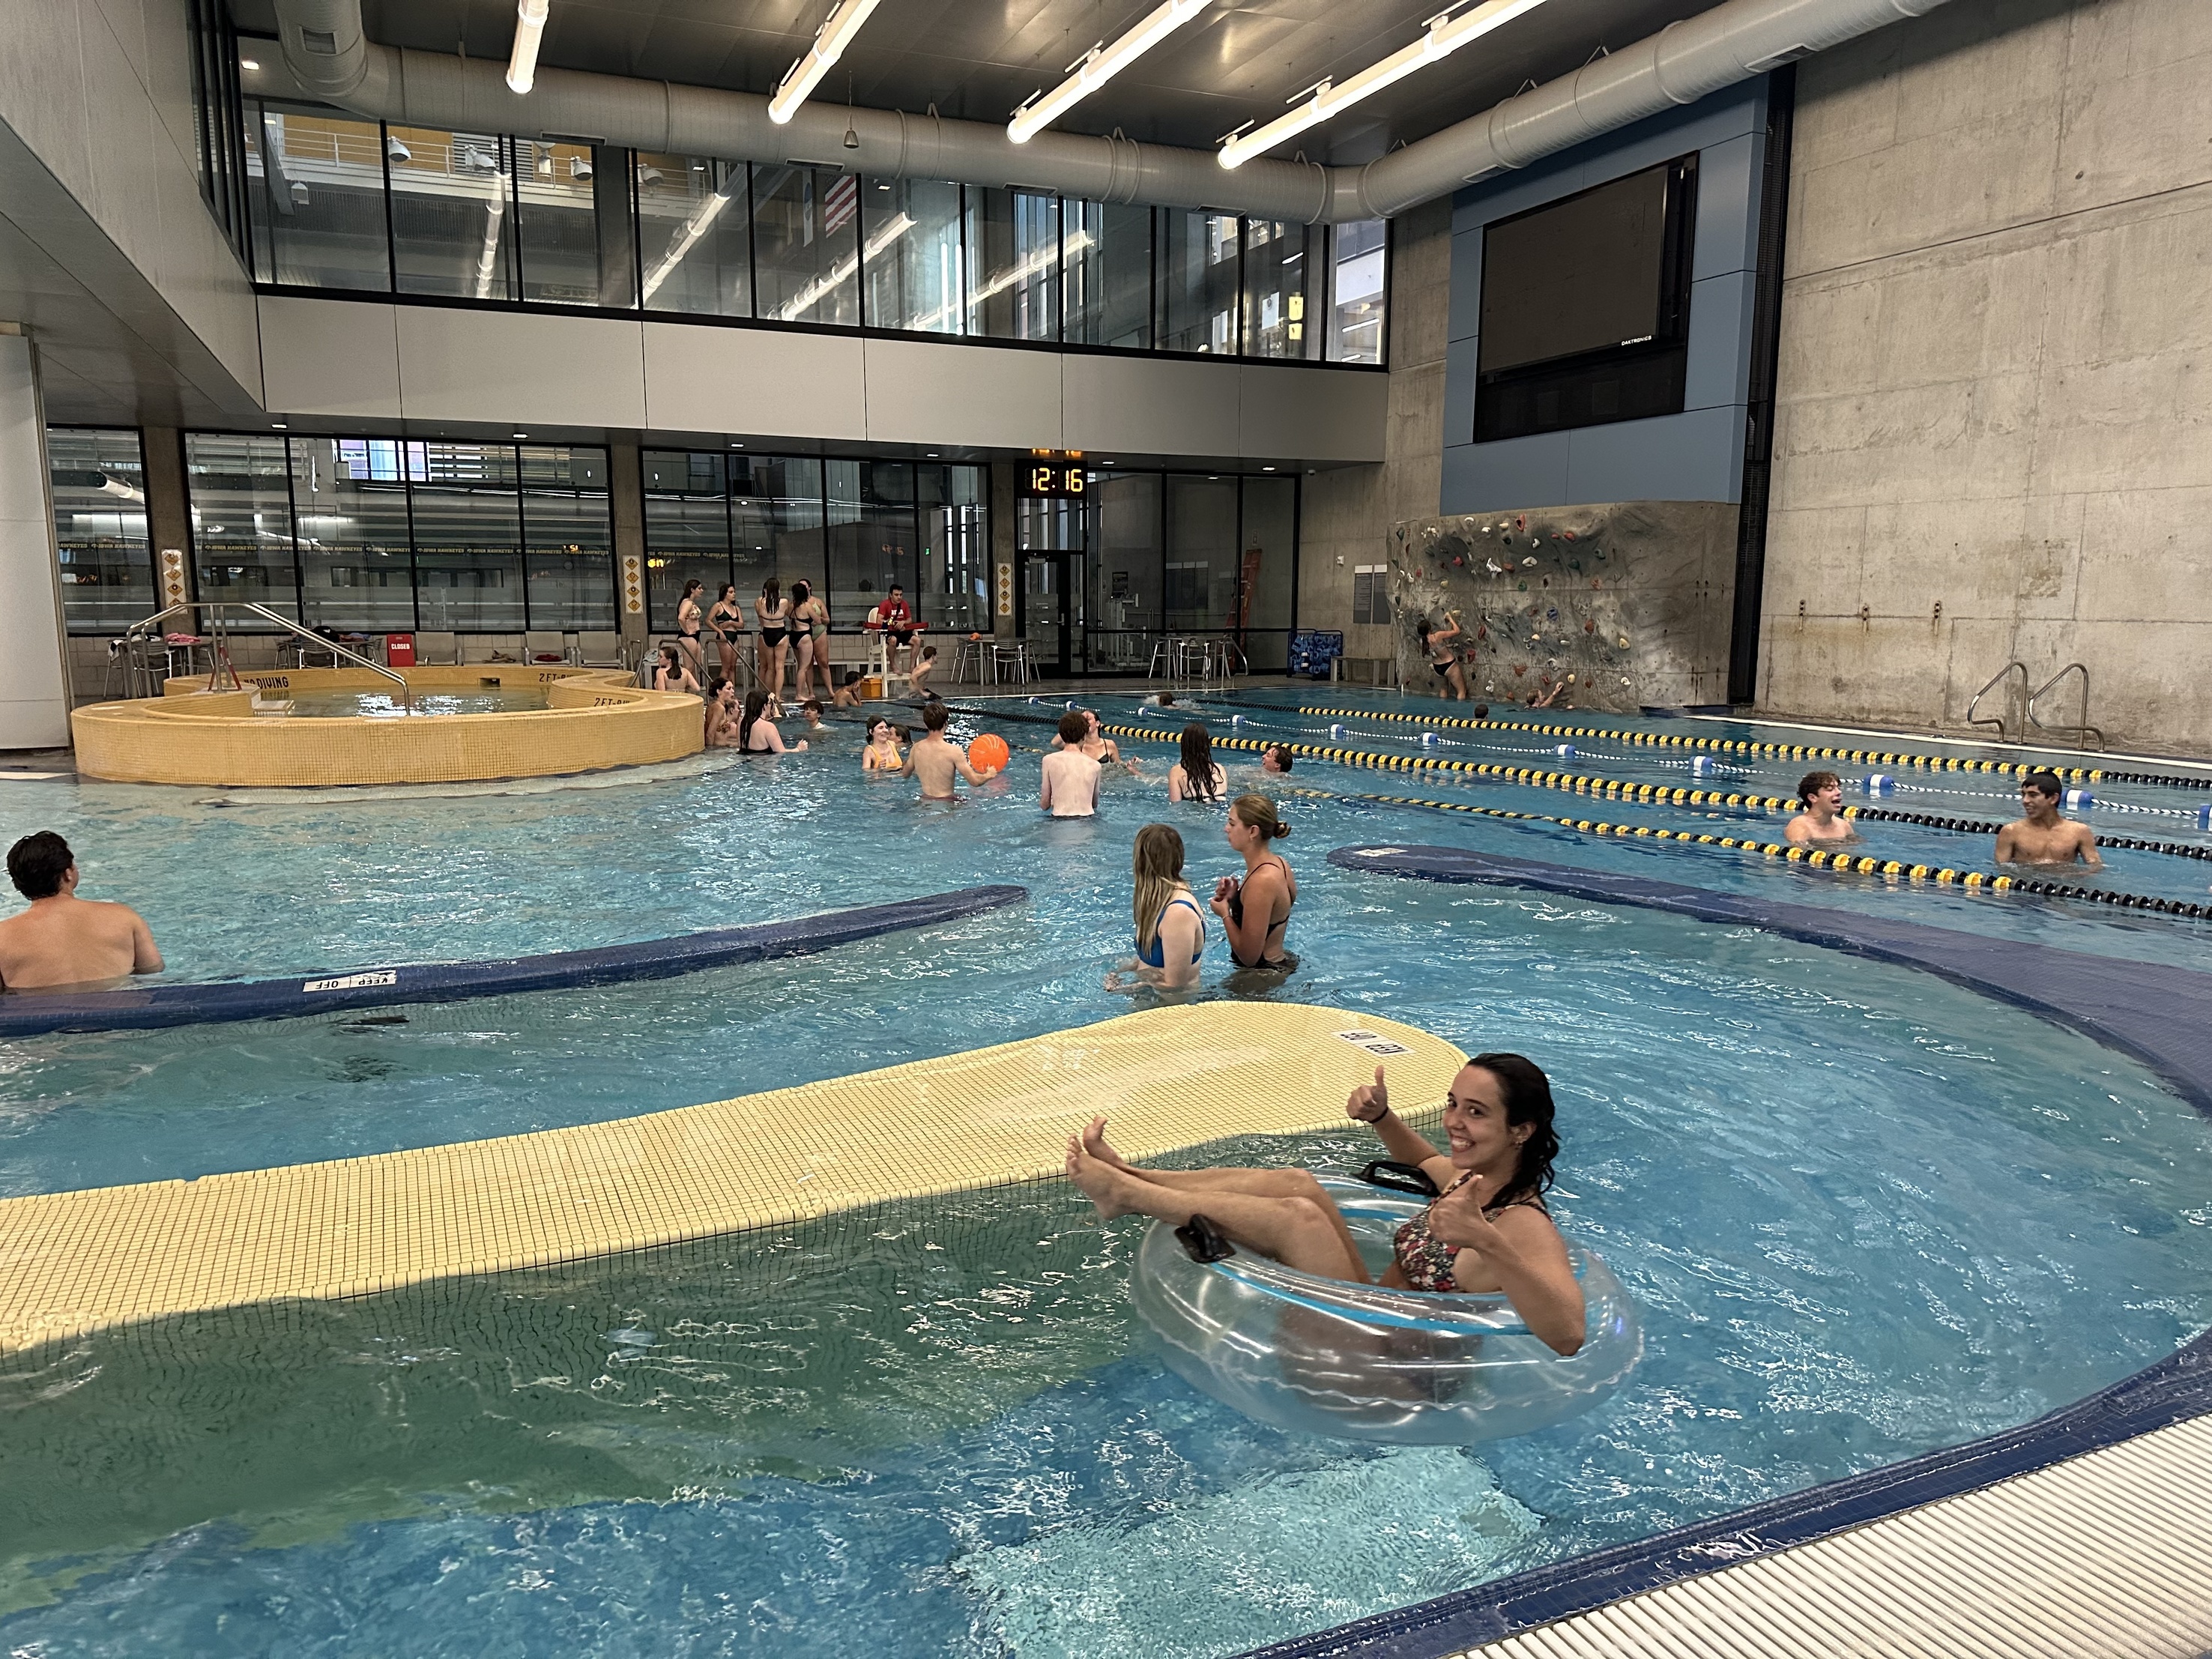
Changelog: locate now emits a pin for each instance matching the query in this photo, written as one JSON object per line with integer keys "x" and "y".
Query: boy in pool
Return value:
{"x": 2040, "y": 835}
{"x": 1821, "y": 824}
{"x": 935, "y": 761}
{"x": 847, "y": 692}
{"x": 1276, "y": 760}
{"x": 1069, "y": 785}
{"x": 61, "y": 939}
{"x": 812, "y": 709}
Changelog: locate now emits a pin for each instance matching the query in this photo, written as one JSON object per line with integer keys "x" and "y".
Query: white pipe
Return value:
{"x": 1099, "y": 65}
{"x": 522, "y": 58}
{"x": 1680, "y": 64}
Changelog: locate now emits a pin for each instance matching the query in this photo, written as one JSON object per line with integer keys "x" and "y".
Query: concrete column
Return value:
{"x": 168, "y": 507}
{"x": 626, "y": 495}
{"x": 1006, "y": 562}
{"x": 34, "y": 700}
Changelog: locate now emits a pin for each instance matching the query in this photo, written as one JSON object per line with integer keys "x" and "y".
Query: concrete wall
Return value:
{"x": 1994, "y": 427}
{"x": 355, "y": 359}
{"x": 1696, "y": 455}
{"x": 1345, "y": 513}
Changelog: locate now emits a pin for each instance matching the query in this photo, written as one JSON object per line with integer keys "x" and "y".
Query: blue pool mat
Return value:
{"x": 28, "y": 1013}
{"x": 2159, "y": 1015}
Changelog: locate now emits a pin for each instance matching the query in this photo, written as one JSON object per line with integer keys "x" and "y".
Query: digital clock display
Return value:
{"x": 1053, "y": 480}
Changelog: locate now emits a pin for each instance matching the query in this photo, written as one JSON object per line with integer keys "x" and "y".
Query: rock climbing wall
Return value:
{"x": 1628, "y": 604}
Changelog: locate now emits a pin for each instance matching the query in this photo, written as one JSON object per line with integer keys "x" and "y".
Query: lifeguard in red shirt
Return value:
{"x": 895, "y": 618}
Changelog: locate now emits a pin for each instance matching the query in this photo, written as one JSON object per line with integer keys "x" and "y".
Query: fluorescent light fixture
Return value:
{"x": 830, "y": 40}
{"x": 1445, "y": 34}
{"x": 248, "y": 63}
{"x": 522, "y": 58}
{"x": 1098, "y": 66}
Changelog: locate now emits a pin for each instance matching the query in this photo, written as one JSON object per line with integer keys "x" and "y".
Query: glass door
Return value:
{"x": 1049, "y": 614}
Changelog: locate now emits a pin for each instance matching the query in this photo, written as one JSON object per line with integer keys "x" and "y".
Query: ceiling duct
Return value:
{"x": 1680, "y": 64}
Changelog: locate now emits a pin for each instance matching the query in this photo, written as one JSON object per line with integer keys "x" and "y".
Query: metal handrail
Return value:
{"x": 1996, "y": 680}
{"x": 2080, "y": 728}
{"x": 217, "y": 609}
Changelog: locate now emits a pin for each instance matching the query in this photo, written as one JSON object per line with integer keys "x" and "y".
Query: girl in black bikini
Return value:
{"x": 687, "y": 628}
{"x": 775, "y": 613}
{"x": 1256, "y": 910}
{"x": 727, "y": 619}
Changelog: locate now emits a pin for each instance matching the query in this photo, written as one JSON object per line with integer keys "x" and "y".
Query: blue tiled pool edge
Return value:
{"x": 140, "y": 1007}
{"x": 2161, "y": 1016}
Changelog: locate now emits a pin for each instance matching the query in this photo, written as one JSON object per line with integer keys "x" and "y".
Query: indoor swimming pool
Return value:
{"x": 386, "y": 705}
{"x": 1865, "y": 1212}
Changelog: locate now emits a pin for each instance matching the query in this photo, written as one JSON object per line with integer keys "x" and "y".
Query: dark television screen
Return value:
{"x": 1580, "y": 274}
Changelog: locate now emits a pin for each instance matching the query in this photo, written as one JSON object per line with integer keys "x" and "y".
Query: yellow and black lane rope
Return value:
{"x": 1972, "y": 881}
{"x": 1770, "y": 750}
{"x": 1576, "y": 783}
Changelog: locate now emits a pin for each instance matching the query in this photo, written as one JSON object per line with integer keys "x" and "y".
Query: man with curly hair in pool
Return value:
{"x": 62, "y": 940}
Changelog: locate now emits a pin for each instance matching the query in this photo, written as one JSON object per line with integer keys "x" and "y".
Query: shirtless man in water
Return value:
{"x": 2041, "y": 836}
{"x": 935, "y": 761}
{"x": 62, "y": 940}
{"x": 1821, "y": 823}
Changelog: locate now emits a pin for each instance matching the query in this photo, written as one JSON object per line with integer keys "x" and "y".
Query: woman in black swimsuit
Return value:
{"x": 727, "y": 619}
{"x": 1256, "y": 910}
{"x": 687, "y": 628}
{"x": 775, "y": 613}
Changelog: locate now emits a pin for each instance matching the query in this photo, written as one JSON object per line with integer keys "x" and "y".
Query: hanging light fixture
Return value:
{"x": 1098, "y": 66}
{"x": 830, "y": 40}
{"x": 1444, "y": 35}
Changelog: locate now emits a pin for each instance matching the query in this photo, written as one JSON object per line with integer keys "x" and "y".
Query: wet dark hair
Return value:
{"x": 935, "y": 714}
{"x": 1200, "y": 776}
{"x": 852, "y": 678}
{"x": 714, "y": 686}
{"x": 37, "y": 864}
{"x": 1480, "y": 711}
{"x": 875, "y": 720}
{"x": 1281, "y": 751}
{"x": 772, "y": 591}
{"x": 1527, "y": 1094}
{"x": 755, "y": 707}
{"x": 801, "y": 592}
{"x": 1073, "y": 728}
{"x": 673, "y": 658}
{"x": 1815, "y": 781}
{"x": 727, "y": 590}
{"x": 2046, "y": 781}
{"x": 814, "y": 703}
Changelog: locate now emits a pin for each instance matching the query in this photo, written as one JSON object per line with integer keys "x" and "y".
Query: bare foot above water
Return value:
{"x": 1099, "y": 1182}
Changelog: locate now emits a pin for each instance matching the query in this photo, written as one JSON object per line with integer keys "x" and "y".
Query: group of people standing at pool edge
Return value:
{"x": 787, "y": 629}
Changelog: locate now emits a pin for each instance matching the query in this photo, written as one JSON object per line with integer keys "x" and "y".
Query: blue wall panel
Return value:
{"x": 1697, "y": 455}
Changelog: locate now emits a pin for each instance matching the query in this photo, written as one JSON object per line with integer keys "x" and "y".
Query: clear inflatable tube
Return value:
{"x": 1362, "y": 1363}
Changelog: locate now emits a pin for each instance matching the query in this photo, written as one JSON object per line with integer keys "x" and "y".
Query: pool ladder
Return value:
{"x": 2079, "y": 730}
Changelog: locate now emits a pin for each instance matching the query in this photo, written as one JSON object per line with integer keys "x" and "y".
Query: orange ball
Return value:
{"x": 988, "y": 753}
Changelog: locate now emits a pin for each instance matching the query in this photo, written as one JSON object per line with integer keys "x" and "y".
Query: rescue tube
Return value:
{"x": 1362, "y": 1363}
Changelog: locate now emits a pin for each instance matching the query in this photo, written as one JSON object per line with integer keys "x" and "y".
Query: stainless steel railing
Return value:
{"x": 1996, "y": 680}
{"x": 2080, "y": 728}
{"x": 146, "y": 631}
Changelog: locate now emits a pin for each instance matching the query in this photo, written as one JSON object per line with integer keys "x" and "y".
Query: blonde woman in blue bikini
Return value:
{"x": 1170, "y": 927}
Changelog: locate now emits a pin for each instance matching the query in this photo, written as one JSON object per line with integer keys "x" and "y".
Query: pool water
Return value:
{"x": 387, "y": 705}
{"x": 1864, "y": 1213}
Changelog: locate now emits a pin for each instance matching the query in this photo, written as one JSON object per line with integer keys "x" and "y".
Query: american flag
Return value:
{"x": 837, "y": 205}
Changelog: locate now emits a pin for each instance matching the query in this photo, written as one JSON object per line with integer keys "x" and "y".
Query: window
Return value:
{"x": 568, "y": 560}
{"x": 242, "y": 515}
{"x": 955, "y": 587}
{"x": 1267, "y": 574}
{"x": 1357, "y": 300}
{"x": 356, "y": 559}
{"x": 98, "y": 481}
{"x": 1106, "y": 273}
{"x": 317, "y": 199}
{"x": 806, "y": 244}
{"x": 1198, "y": 282}
{"x": 573, "y": 229}
{"x": 1013, "y": 242}
{"x": 776, "y": 522}
{"x": 1274, "y": 289}
{"x": 695, "y": 235}
{"x": 468, "y": 537}
{"x": 916, "y": 273}
{"x": 1199, "y": 582}
{"x": 687, "y": 530}
{"x": 451, "y": 196}
{"x": 872, "y": 536}
{"x": 1127, "y": 584}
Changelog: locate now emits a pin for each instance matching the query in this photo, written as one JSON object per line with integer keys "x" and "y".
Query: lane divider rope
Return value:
{"x": 1773, "y": 751}
{"x": 1972, "y": 881}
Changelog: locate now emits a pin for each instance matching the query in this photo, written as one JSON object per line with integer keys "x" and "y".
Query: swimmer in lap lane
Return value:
{"x": 2040, "y": 835}
{"x": 1821, "y": 823}
{"x": 1488, "y": 1232}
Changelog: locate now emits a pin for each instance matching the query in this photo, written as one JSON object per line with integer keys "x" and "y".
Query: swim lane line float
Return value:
{"x": 137, "y": 1008}
{"x": 1324, "y": 1356}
